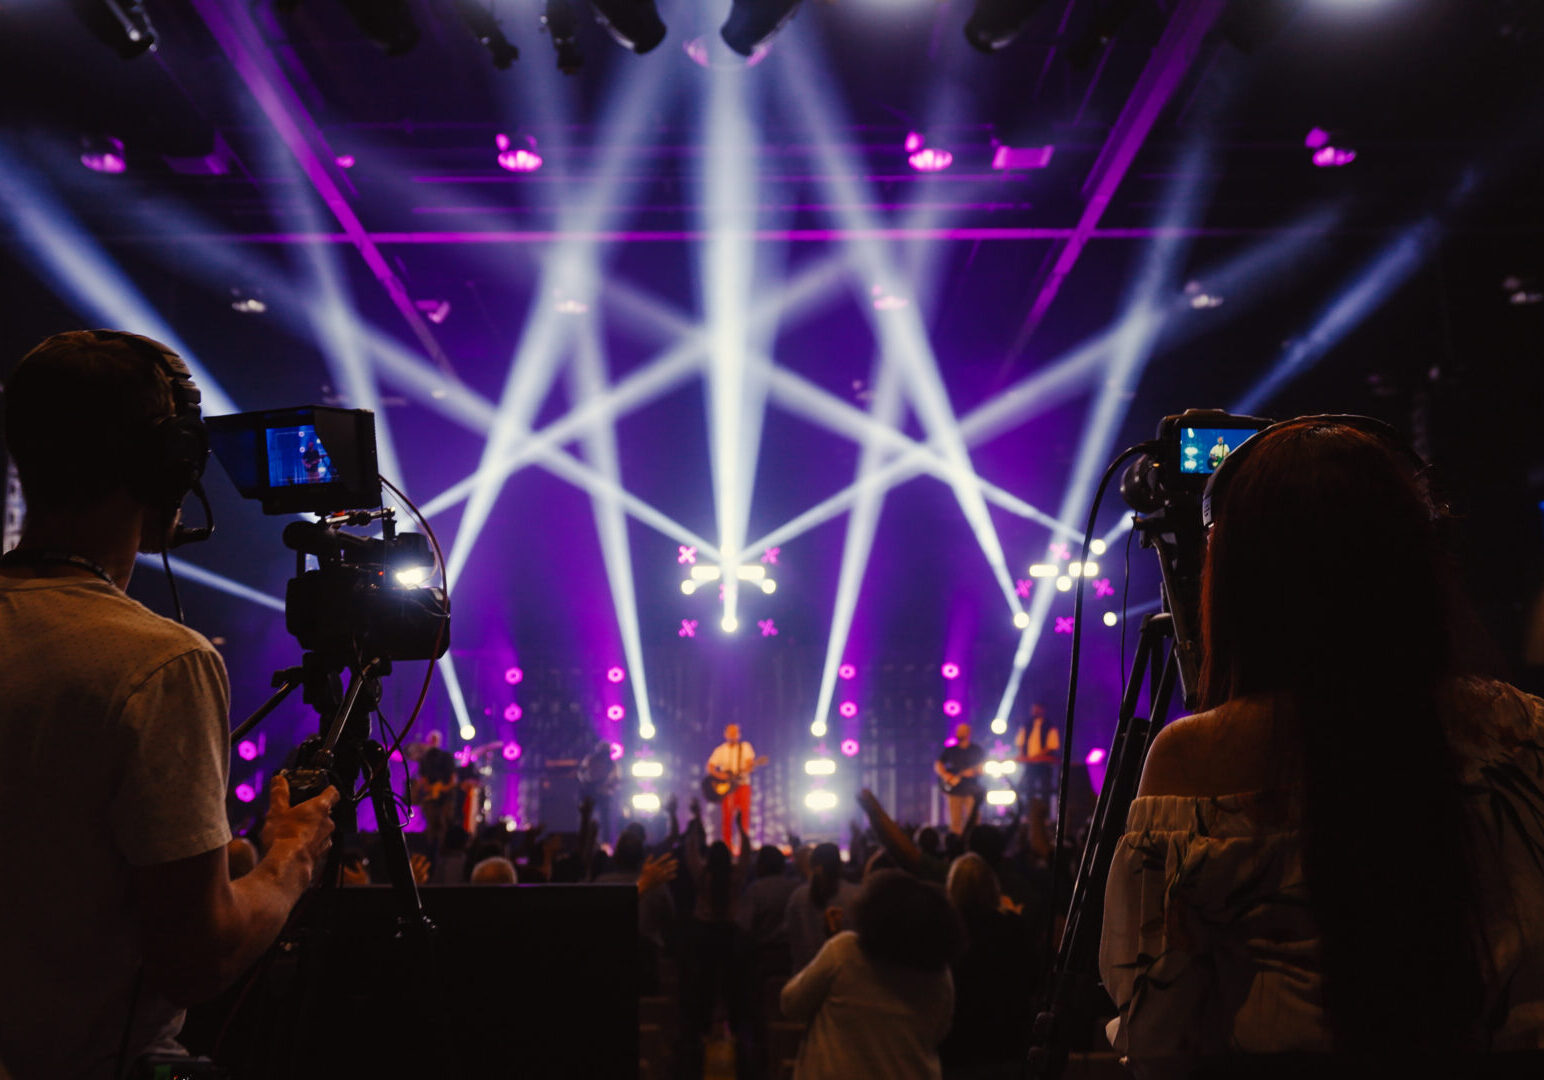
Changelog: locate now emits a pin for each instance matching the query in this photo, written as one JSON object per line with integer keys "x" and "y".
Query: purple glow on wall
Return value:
{"x": 1316, "y": 138}
{"x": 512, "y": 751}
{"x": 616, "y": 751}
{"x": 1333, "y": 157}
{"x": 513, "y": 712}
{"x": 245, "y": 793}
{"x": 688, "y": 628}
{"x": 850, "y": 747}
{"x": 615, "y": 712}
{"x": 930, "y": 160}
{"x": 396, "y": 755}
{"x": 1022, "y": 157}
{"x": 615, "y": 674}
{"x": 247, "y": 750}
{"x": 848, "y": 709}
{"x": 686, "y": 555}
{"x": 951, "y": 671}
{"x": 953, "y": 708}
{"x": 513, "y": 676}
{"x": 847, "y": 671}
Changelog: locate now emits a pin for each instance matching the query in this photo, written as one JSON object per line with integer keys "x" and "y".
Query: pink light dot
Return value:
{"x": 247, "y": 750}
{"x": 952, "y": 708}
{"x": 245, "y": 793}
{"x": 849, "y": 709}
{"x": 616, "y": 751}
{"x": 951, "y": 741}
{"x": 396, "y": 755}
{"x": 914, "y": 141}
{"x": 511, "y": 751}
{"x": 930, "y": 160}
{"x": 520, "y": 160}
{"x": 513, "y": 675}
{"x": 847, "y": 671}
{"x": 345, "y": 161}
{"x": 951, "y": 671}
{"x": 1095, "y": 756}
{"x": 849, "y": 747}
{"x": 513, "y": 712}
{"x": 615, "y": 712}
{"x": 615, "y": 674}
{"x": 1316, "y": 138}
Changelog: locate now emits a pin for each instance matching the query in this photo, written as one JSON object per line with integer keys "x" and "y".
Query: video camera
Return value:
{"x": 362, "y": 602}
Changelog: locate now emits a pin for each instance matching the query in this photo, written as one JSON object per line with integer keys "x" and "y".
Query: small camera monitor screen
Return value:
{"x": 1201, "y": 450}
{"x": 296, "y": 455}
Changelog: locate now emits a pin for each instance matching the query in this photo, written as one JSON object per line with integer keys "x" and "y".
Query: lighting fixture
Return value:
{"x": 562, "y": 25}
{"x": 634, "y": 24}
{"x": 122, "y": 25}
{"x": 478, "y": 18}
{"x": 103, "y": 154}
{"x": 993, "y": 24}
{"x": 752, "y": 24}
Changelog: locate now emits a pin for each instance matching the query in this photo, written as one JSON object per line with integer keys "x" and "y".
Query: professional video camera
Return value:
{"x": 361, "y": 603}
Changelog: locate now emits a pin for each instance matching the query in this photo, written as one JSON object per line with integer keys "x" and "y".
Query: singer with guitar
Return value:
{"x": 731, "y": 764}
{"x": 959, "y": 775}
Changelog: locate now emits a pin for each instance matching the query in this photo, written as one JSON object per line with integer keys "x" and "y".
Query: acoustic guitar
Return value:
{"x": 716, "y": 790}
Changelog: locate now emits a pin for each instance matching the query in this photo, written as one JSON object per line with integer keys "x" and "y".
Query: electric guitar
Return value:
{"x": 716, "y": 790}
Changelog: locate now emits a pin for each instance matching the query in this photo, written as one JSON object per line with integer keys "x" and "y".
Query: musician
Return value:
{"x": 599, "y": 778}
{"x": 959, "y": 771}
{"x": 1039, "y": 751}
{"x": 435, "y": 787}
{"x": 732, "y": 761}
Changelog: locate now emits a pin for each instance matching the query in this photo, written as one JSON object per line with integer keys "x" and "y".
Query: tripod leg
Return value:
{"x": 399, "y": 866}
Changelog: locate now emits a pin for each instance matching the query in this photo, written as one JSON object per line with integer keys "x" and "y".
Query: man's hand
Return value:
{"x": 672, "y": 803}
{"x": 656, "y": 871}
{"x": 421, "y": 867}
{"x": 868, "y": 800}
{"x": 306, "y": 828}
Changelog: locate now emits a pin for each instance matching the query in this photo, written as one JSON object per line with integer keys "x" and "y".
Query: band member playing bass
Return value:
{"x": 732, "y": 763}
{"x": 959, "y": 773}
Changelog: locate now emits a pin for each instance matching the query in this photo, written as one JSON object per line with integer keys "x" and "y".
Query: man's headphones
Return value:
{"x": 175, "y": 450}
{"x": 1218, "y": 482}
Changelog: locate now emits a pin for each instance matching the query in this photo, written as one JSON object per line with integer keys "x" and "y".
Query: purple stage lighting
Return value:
{"x": 686, "y": 555}
{"x": 930, "y": 160}
{"x": 1022, "y": 587}
{"x": 768, "y": 627}
{"x": 1065, "y": 624}
{"x": 1333, "y": 157}
{"x": 688, "y": 628}
{"x": 518, "y": 159}
{"x": 103, "y": 154}
{"x": 914, "y": 141}
{"x": 615, "y": 712}
{"x": 1316, "y": 138}
{"x": 616, "y": 751}
{"x": 247, "y": 750}
{"x": 512, "y": 751}
{"x": 245, "y": 793}
{"x": 512, "y": 712}
{"x": 951, "y": 671}
{"x": 345, "y": 161}
{"x": 849, "y": 747}
{"x": 769, "y": 556}
{"x": 951, "y": 741}
{"x": 615, "y": 674}
{"x": 1060, "y": 551}
{"x": 953, "y": 708}
{"x": 849, "y": 709}
{"x": 1095, "y": 756}
{"x": 513, "y": 675}
{"x": 1025, "y": 157}
{"x": 1102, "y": 587}
{"x": 847, "y": 671}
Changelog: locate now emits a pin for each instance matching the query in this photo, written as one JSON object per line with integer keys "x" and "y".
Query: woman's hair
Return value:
{"x": 825, "y": 873}
{"x": 906, "y": 922}
{"x": 1327, "y": 590}
{"x": 973, "y": 888}
{"x": 720, "y": 874}
{"x": 770, "y": 862}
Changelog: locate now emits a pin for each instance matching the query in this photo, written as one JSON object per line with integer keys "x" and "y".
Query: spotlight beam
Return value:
{"x": 194, "y": 572}
{"x": 232, "y": 27}
{"x": 588, "y": 377}
{"x": 78, "y": 270}
{"x": 1171, "y": 59}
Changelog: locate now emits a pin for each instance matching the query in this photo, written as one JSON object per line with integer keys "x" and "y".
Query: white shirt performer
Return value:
{"x": 733, "y": 760}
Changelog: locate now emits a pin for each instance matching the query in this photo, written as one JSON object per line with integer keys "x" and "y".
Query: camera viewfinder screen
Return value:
{"x": 1201, "y": 450}
{"x": 296, "y": 456}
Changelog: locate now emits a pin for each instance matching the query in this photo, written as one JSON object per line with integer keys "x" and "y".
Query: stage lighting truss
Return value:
{"x": 731, "y": 580}
{"x": 1061, "y": 571}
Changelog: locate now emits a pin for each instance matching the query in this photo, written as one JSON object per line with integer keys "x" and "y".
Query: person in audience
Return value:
{"x": 878, "y": 998}
{"x": 815, "y": 908}
{"x": 103, "y": 939}
{"x": 708, "y": 975}
{"x": 1344, "y": 853}
{"x": 995, "y": 979}
{"x": 764, "y": 907}
{"x": 495, "y": 870}
{"x": 656, "y": 908}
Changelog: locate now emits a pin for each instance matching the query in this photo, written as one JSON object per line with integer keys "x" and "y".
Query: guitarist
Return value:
{"x": 435, "y": 788}
{"x": 959, "y": 773}
{"x": 733, "y": 761}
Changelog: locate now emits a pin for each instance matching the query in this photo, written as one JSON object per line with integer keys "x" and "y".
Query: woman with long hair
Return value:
{"x": 1344, "y": 854}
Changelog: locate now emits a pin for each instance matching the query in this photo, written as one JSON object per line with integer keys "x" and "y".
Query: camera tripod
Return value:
{"x": 1075, "y": 974}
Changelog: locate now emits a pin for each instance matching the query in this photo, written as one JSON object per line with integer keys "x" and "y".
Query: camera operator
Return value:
{"x": 116, "y": 905}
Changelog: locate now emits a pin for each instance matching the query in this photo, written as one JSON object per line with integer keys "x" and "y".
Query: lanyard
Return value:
{"x": 26, "y": 557}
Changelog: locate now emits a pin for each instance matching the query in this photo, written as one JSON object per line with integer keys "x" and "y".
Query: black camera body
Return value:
{"x": 1188, "y": 449}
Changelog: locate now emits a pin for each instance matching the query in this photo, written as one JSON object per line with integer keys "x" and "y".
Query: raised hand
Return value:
{"x": 657, "y": 869}
{"x": 421, "y": 867}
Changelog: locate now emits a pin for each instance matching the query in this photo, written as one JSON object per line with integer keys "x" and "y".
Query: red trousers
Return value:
{"x": 738, "y": 801}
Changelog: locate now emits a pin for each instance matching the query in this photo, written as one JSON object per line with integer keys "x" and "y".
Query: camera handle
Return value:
{"x": 1076, "y": 970}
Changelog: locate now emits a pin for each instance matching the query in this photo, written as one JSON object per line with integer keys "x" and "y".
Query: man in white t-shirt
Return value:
{"x": 116, "y": 903}
{"x": 732, "y": 762}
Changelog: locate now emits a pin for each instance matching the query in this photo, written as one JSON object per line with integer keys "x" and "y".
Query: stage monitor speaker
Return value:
{"x": 519, "y": 980}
